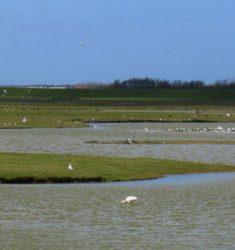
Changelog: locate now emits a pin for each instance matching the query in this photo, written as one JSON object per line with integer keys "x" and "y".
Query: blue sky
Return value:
{"x": 176, "y": 40}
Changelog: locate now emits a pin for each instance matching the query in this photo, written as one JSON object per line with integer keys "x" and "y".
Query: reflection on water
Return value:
{"x": 190, "y": 216}
{"x": 72, "y": 141}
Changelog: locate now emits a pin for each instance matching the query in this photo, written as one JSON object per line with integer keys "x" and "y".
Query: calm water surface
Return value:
{"x": 169, "y": 214}
{"x": 72, "y": 141}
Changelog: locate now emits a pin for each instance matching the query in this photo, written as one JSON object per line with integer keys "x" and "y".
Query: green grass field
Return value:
{"x": 121, "y": 97}
{"x": 59, "y": 108}
{"x": 51, "y": 168}
{"x": 66, "y": 116}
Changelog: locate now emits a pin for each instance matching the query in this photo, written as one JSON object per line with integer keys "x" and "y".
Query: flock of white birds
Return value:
{"x": 216, "y": 129}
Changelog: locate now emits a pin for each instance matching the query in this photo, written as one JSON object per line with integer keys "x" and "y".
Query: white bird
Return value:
{"x": 129, "y": 141}
{"x": 146, "y": 129}
{"x": 70, "y": 167}
{"x": 129, "y": 199}
{"x": 24, "y": 120}
{"x": 228, "y": 115}
{"x": 219, "y": 128}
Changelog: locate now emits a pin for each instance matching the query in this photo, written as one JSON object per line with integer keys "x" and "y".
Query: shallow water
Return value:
{"x": 170, "y": 215}
{"x": 72, "y": 141}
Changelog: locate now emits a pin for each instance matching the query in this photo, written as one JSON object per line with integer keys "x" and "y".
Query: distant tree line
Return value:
{"x": 149, "y": 83}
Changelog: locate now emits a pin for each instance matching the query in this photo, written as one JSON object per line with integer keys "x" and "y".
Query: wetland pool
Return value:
{"x": 73, "y": 141}
{"x": 176, "y": 212}
{"x": 170, "y": 213}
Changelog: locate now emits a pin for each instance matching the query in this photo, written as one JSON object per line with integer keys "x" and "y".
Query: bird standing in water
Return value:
{"x": 129, "y": 199}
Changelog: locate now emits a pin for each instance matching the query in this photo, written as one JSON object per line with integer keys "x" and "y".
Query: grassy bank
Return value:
{"x": 117, "y": 97}
{"x": 68, "y": 108}
{"x": 66, "y": 116}
{"x": 52, "y": 168}
{"x": 188, "y": 142}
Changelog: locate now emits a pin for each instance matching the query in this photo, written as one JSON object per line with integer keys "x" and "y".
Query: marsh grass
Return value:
{"x": 65, "y": 116}
{"x": 164, "y": 142}
{"x": 68, "y": 108}
{"x": 115, "y": 96}
{"x": 46, "y": 168}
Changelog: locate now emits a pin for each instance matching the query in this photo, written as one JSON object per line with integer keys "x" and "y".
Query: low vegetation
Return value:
{"x": 199, "y": 142}
{"x": 68, "y": 116}
{"x": 118, "y": 97}
{"x": 60, "y": 108}
{"x": 53, "y": 168}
